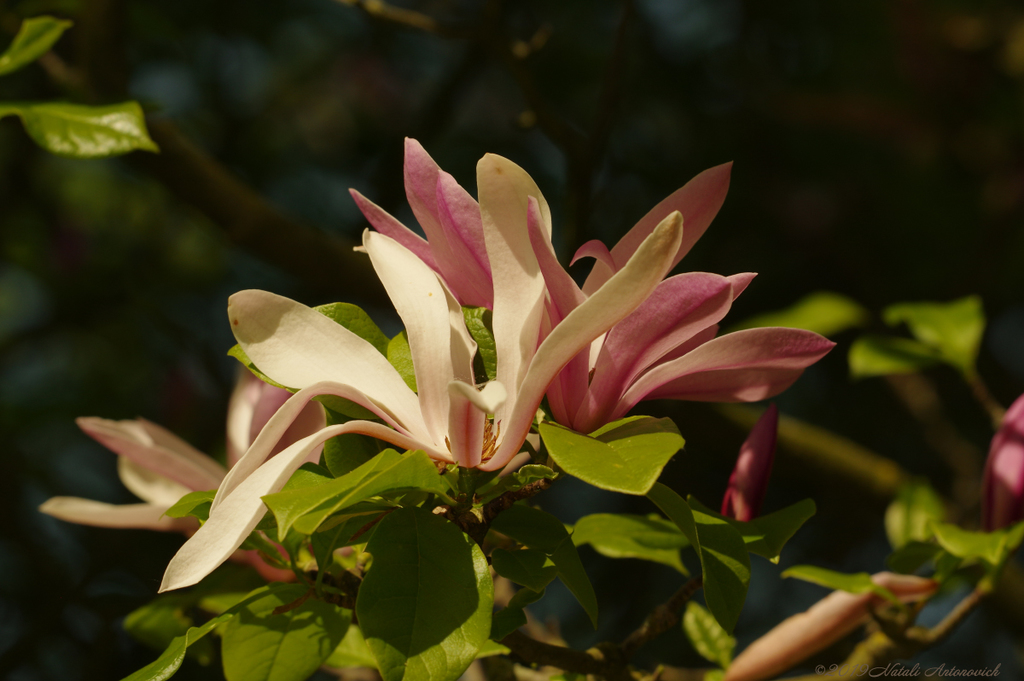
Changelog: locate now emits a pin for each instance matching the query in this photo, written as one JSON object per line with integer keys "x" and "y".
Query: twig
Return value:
{"x": 995, "y": 411}
{"x": 535, "y": 652}
{"x": 663, "y": 618}
{"x": 407, "y": 18}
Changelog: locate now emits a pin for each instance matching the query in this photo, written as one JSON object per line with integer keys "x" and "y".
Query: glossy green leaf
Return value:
{"x": 531, "y": 568}
{"x": 823, "y": 312}
{"x": 306, "y": 509}
{"x": 909, "y": 515}
{"x": 165, "y": 666}
{"x": 195, "y": 504}
{"x": 707, "y": 636}
{"x": 34, "y": 39}
{"x": 766, "y": 535}
{"x": 258, "y": 645}
{"x": 632, "y": 536}
{"x": 725, "y": 563}
{"x": 400, "y": 357}
{"x": 857, "y": 583}
{"x": 883, "y": 355}
{"x": 352, "y": 652}
{"x": 511, "y": 617}
{"x": 425, "y": 603}
{"x": 954, "y": 329}
{"x": 624, "y": 456}
{"x": 478, "y": 322}
{"x": 513, "y": 481}
{"x": 80, "y": 131}
{"x": 353, "y": 318}
{"x": 909, "y": 558}
{"x": 539, "y": 530}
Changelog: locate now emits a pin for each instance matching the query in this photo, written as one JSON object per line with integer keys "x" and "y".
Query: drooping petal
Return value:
{"x": 749, "y": 480}
{"x": 297, "y": 347}
{"x": 504, "y": 190}
{"x": 422, "y": 303}
{"x": 827, "y": 621}
{"x": 151, "y": 487}
{"x": 680, "y": 307}
{"x": 698, "y": 200}
{"x": 156, "y": 449}
{"x": 240, "y": 511}
{"x": 744, "y": 366}
{"x": 1002, "y": 493}
{"x": 125, "y": 516}
{"x": 282, "y": 420}
{"x": 469, "y": 273}
{"x": 609, "y": 304}
{"x": 384, "y": 223}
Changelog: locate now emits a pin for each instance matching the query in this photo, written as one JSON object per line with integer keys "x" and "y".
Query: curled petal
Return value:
{"x": 126, "y": 516}
{"x": 595, "y": 249}
{"x": 827, "y": 621}
{"x": 156, "y": 449}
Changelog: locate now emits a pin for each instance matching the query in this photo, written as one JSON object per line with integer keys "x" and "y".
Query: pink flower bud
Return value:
{"x": 749, "y": 478}
{"x": 1002, "y": 492}
{"x": 824, "y": 623}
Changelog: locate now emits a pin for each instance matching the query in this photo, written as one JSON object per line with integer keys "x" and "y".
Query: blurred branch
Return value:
{"x": 663, "y": 618}
{"x": 995, "y": 411}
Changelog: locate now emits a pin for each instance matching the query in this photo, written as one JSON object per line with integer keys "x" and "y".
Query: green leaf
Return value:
{"x": 857, "y": 583}
{"x": 707, "y": 636}
{"x": 401, "y": 358}
{"x": 478, "y": 322}
{"x": 344, "y": 453}
{"x": 994, "y": 548}
{"x": 882, "y": 355}
{"x": 511, "y": 617}
{"x": 909, "y": 515}
{"x": 425, "y": 603}
{"x": 490, "y": 649}
{"x": 157, "y": 623}
{"x": 823, "y": 312}
{"x": 513, "y": 481}
{"x": 386, "y": 472}
{"x": 352, "y": 652}
{"x": 954, "y": 329}
{"x": 632, "y": 536}
{"x": 725, "y": 563}
{"x": 258, "y": 645}
{"x": 80, "y": 131}
{"x": 35, "y": 38}
{"x": 911, "y": 556}
{"x": 539, "y": 530}
{"x": 531, "y": 568}
{"x": 195, "y": 504}
{"x": 624, "y": 456}
{"x": 766, "y": 535}
{"x": 165, "y": 666}
{"x": 353, "y": 318}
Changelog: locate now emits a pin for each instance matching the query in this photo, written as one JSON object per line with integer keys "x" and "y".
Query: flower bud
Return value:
{"x": 749, "y": 478}
{"x": 1002, "y": 492}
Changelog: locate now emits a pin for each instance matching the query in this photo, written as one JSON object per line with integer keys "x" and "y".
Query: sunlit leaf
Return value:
{"x": 883, "y": 355}
{"x": 823, "y": 312}
{"x": 195, "y": 504}
{"x": 908, "y": 516}
{"x": 352, "y": 652}
{"x": 80, "y": 131}
{"x": 632, "y": 536}
{"x": 34, "y": 39}
{"x": 954, "y": 329}
{"x": 478, "y": 322}
{"x": 766, "y": 535}
{"x": 707, "y": 636}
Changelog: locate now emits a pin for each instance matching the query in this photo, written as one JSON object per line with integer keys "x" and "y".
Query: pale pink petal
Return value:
{"x": 384, "y": 223}
{"x": 311, "y": 419}
{"x": 745, "y": 366}
{"x": 240, "y": 511}
{"x": 421, "y": 301}
{"x": 1002, "y": 492}
{"x": 740, "y": 282}
{"x": 156, "y": 449}
{"x": 595, "y": 249}
{"x": 609, "y": 304}
{"x": 749, "y": 480}
{"x": 698, "y": 200}
{"x": 827, "y": 621}
{"x": 282, "y": 421}
{"x": 469, "y": 275}
{"x": 679, "y": 307}
{"x": 241, "y": 407}
{"x": 504, "y": 190}
{"x": 469, "y": 408}
{"x": 151, "y": 487}
{"x": 297, "y": 347}
{"x": 126, "y": 516}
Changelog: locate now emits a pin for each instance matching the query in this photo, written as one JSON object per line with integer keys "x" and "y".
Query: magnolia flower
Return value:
{"x": 749, "y": 479}
{"x": 160, "y": 468}
{"x": 827, "y": 621}
{"x": 665, "y": 349}
{"x": 450, "y": 418}
{"x": 1002, "y": 491}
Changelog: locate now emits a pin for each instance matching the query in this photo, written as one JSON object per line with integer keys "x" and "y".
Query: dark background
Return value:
{"x": 878, "y": 151}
